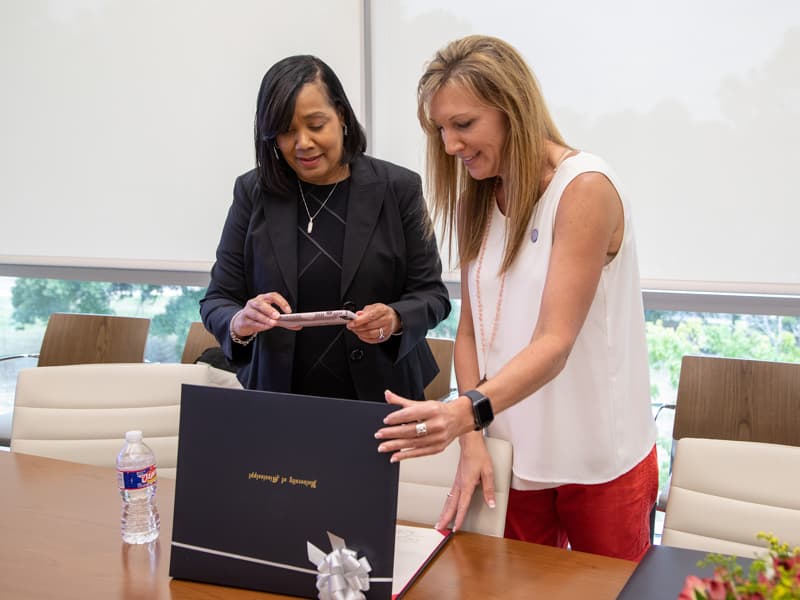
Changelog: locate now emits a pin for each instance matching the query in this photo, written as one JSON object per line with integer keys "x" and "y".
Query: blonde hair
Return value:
{"x": 495, "y": 73}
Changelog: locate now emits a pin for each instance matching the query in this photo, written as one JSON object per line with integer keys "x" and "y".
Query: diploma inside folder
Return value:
{"x": 414, "y": 548}
{"x": 284, "y": 493}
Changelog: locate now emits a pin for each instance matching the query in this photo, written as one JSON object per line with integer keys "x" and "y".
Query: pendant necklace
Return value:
{"x": 484, "y": 346}
{"x": 311, "y": 218}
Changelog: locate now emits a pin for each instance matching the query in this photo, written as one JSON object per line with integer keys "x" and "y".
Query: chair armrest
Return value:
{"x": 15, "y": 356}
{"x": 663, "y": 496}
{"x": 668, "y": 406}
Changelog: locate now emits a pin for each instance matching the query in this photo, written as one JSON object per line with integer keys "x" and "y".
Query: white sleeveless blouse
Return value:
{"x": 593, "y": 421}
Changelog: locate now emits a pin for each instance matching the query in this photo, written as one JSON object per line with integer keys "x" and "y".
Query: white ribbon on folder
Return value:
{"x": 340, "y": 563}
{"x": 341, "y": 575}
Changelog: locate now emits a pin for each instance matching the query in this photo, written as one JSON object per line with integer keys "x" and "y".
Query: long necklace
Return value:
{"x": 311, "y": 218}
{"x": 484, "y": 346}
{"x": 493, "y": 334}
{"x": 561, "y": 158}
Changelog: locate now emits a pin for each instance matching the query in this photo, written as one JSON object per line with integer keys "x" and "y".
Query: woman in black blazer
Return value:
{"x": 319, "y": 225}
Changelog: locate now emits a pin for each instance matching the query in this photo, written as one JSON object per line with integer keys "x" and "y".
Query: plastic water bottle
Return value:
{"x": 136, "y": 474}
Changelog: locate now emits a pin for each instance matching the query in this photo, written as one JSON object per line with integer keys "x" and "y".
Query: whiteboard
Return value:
{"x": 124, "y": 124}
{"x": 696, "y": 105}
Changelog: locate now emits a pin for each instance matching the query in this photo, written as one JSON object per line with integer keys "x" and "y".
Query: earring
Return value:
{"x": 275, "y": 150}
{"x": 345, "y": 130}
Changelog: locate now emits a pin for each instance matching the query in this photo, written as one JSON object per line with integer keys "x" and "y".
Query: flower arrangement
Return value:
{"x": 775, "y": 576}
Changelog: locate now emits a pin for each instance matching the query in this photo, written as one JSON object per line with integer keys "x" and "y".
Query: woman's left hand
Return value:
{"x": 421, "y": 428}
{"x": 375, "y": 323}
{"x": 474, "y": 468}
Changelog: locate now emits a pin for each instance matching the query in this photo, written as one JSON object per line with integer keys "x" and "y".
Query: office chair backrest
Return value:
{"x": 736, "y": 399}
{"x": 442, "y": 350}
{"x": 724, "y": 492}
{"x": 425, "y": 482}
{"x": 71, "y": 339}
{"x": 198, "y": 339}
{"x": 80, "y": 413}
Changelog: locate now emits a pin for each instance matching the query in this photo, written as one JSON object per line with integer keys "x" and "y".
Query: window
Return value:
{"x": 26, "y": 303}
{"x": 671, "y": 334}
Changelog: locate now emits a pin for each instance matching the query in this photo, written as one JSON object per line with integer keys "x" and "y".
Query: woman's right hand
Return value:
{"x": 260, "y": 314}
{"x": 474, "y": 468}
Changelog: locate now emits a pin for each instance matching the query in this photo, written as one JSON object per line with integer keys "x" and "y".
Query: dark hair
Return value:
{"x": 275, "y": 110}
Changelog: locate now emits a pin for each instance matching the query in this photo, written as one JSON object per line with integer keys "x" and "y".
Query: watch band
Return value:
{"x": 481, "y": 408}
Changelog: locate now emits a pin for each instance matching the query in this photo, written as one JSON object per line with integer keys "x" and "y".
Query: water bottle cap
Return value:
{"x": 134, "y": 436}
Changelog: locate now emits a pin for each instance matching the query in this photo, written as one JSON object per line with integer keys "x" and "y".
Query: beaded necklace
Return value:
{"x": 484, "y": 346}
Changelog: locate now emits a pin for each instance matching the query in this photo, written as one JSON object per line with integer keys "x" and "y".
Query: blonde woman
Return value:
{"x": 550, "y": 349}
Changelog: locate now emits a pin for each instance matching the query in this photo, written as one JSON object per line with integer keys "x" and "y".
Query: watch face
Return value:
{"x": 481, "y": 408}
{"x": 484, "y": 411}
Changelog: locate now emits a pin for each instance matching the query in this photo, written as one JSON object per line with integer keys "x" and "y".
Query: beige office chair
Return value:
{"x": 736, "y": 399}
{"x": 425, "y": 482}
{"x": 73, "y": 338}
{"x": 442, "y": 349}
{"x": 724, "y": 492}
{"x": 198, "y": 339}
{"x": 80, "y": 413}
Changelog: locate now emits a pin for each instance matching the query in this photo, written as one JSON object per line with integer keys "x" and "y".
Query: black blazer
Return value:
{"x": 386, "y": 258}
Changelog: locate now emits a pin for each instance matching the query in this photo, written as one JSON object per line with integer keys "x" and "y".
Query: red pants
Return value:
{"x": 611, "y": 518}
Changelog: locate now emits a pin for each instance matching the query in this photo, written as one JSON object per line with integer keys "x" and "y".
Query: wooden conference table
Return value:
{"x": 59, "y": 538}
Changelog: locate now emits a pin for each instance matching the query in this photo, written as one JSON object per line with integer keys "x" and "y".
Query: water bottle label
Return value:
{"x": 135, "y": 480}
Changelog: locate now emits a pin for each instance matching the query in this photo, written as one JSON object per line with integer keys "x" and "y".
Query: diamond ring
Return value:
{"x": 422, "y": 429}
{"x": 380, "y": 333}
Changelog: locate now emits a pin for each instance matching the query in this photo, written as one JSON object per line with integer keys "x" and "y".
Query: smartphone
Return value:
{"x": 315, "y": 319}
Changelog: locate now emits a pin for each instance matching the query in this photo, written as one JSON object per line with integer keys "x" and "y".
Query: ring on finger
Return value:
{"x": 380, "y": 333}
{"x": 422, "y": 428}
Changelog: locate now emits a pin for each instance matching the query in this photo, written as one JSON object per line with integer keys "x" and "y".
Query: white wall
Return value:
{"x": 125, "y": 123}
{"x": 695, "y": 104}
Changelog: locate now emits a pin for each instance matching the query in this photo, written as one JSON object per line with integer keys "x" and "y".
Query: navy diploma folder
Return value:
{"x": 660, "y": 575}
{"x": 261, "y": 475}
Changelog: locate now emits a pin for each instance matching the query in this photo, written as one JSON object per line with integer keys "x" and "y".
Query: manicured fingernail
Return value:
{"x": 381, "y": 448}
{"x": 394, "y": 459}
{"x": 378, "y": 435}
{"x": 492, "y": 504}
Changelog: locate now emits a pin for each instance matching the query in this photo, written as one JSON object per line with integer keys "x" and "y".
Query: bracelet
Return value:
{"x": 399, "y": 325}
{"x": 236, "y": 338}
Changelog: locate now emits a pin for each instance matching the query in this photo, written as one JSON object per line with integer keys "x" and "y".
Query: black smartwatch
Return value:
{"x": 481, "y": 409}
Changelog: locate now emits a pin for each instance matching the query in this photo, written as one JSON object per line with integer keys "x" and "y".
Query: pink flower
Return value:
{"x": 717, "y": 590}
{"x": 777, "y": 575}
{"x": 690, "y": 586}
